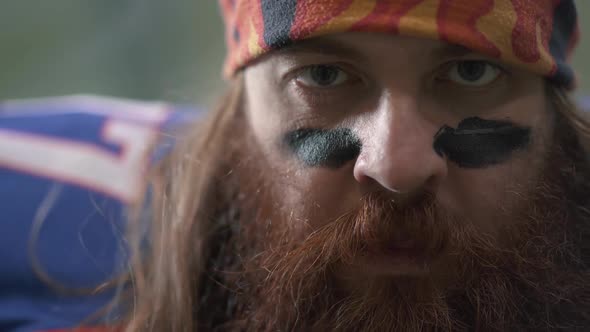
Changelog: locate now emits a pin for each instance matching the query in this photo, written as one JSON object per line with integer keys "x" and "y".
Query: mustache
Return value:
{"x": 380, "y": 224}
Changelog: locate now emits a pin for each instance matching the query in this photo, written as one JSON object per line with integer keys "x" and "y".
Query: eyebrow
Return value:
{"x": 450, "y": 51}
{"x": 323, "y": 46}
{"x": 337, "y": 48}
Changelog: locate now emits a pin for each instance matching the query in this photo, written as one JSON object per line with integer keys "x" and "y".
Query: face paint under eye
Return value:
{"x": 479, "y": 143}
{"x": 323, "y": 148}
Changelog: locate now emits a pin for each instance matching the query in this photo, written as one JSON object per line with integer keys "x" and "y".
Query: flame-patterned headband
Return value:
{"x": 538, "y": 35}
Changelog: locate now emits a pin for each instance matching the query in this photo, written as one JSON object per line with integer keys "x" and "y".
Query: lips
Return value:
{"x": 402, "y": 244}
{"x": 393, "y": 258}
{"x": 402, "y": 262}
{"x": 396, "y": 247}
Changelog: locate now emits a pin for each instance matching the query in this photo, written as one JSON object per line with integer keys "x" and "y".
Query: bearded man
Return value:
{"x": 388, "y": 165}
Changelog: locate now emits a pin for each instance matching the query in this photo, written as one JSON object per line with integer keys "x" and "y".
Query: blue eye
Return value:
{"x": 322, "y": 76}
{"x": 475, "y": 73}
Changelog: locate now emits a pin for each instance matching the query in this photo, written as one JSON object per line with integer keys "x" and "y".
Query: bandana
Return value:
{"x": 537, "y": 35}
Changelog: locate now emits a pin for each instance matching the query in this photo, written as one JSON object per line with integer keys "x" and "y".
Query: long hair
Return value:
{"x": 168, "y": 267}
{"x": 167, "y": 261}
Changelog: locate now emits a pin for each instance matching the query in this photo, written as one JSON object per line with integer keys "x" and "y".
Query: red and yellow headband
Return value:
{"x": 538, "y": 35}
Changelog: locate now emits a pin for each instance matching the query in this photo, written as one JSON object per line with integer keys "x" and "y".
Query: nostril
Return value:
{"x": 431, "y": 183}
{"x": 360, "y": 171}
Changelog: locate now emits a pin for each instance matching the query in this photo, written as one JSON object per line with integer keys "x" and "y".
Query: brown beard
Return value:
{"x": 263, "y": 276}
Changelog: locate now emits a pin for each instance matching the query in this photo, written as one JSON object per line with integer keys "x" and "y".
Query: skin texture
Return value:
{"x": 395, "y": 107}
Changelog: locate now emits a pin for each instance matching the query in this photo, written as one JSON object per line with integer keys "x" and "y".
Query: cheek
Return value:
{"x": 315, "y": 197}
{"x": 491, "y": 198}
{"x": 305, "y": 196}
{"x": 264, "y": 110}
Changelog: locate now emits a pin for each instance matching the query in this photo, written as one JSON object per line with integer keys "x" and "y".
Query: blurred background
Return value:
{"x": 145, "y": 49}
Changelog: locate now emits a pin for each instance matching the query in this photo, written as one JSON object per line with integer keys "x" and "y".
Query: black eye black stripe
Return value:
{"x": 323, "y": 148}
{"x": 479, "y": 143}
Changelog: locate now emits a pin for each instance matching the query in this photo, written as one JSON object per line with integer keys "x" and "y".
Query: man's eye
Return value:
{"x": 474, "y": 73}
{"x": 322, "y": 76}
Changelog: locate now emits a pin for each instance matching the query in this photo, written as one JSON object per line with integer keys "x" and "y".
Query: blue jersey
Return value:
{"x": 68, "y": 167}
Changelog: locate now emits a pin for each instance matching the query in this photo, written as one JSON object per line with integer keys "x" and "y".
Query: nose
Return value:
{"x": 398, "y": 151}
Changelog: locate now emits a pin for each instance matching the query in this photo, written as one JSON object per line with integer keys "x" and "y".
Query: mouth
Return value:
{"x": 400, "y": 258}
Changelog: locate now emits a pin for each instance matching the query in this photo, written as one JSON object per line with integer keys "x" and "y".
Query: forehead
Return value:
{"x": 371, "y": 47}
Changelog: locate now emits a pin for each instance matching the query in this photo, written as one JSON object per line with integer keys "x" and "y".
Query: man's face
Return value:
{"x": 397, "y": 183}
{"x": 345, "y": 116}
